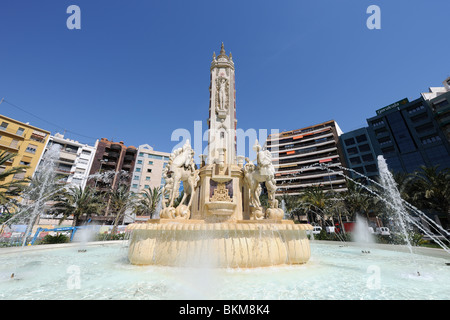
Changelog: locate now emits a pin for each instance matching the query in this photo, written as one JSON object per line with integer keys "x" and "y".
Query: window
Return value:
{"x": 364, "y": 148}
{"x": 149, "y": 170}
{"x": 419, "y": 117}
{"x": 146, "y": 186}
{"x": 4, "y": 125}
{"x": 388, "y": 150}
{"x": 352, "y": 151}
{"x": 135, "y": 185}
{"x": 20, "y": 131}
{"x": 430, "y": 139}
{"x": 355, "y": 160}
{"x": 82, "y": 161}
{"x": 136, "y": 178}
{"x": 415, "y": 109}
{"x": 31, "y": 148}
{"x": 371, "y": 168}
{"x": 377, "y": 123}
{"x": 147, "y": 178}
{"x": 138, "y": 169}
{"x": 139, "y": 162}
{"x": 141, "y": 154}
{"x": 349, "y": 142}
{"x": 440, "y": 104}
{"x": 424, "y": 128}
{"x": 367, "y": 157}
{"x": 361, "y": 138}
{"x": 154, "y": 156}
{"x": 86, "y": 152}
{"x": 150, "y": 162}
{"x": 77, "y": 181}
{"x": 384, "y": 141}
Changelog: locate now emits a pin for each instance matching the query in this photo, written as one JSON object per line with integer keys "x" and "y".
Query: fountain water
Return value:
{"x": 361, "y": 233}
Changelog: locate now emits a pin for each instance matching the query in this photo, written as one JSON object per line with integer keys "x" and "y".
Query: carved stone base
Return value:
{"x": 275, "y": 213}
{"x": 194, "y": 243}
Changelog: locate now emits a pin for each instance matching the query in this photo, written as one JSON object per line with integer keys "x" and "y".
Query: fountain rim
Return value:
{"x": 432, "y": 252}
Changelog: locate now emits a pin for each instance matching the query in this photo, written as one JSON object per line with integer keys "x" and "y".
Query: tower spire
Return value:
{"x": 222, "y": 51}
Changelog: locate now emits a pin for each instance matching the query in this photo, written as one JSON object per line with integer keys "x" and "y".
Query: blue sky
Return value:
{"x": 138, "y": 70}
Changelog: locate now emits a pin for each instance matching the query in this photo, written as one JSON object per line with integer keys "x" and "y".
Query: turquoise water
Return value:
{"x": 333, "y": 272}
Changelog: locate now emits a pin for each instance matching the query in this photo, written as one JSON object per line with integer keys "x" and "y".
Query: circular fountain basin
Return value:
{"x": 333, "y": 272}
{"x": 241, "y": 244}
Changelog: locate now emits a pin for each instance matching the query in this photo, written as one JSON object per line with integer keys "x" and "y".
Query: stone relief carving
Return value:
{"x": 222, "y": 96}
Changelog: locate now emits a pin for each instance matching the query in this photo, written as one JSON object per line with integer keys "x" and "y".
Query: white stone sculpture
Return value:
{"x": 180, "y": 168}
{"x": 263, "y": 172}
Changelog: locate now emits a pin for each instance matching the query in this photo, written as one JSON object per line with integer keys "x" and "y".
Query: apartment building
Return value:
{"x": 116, "y": 159}
{"x": 438, "y": 99}
{"x": 359, "y": 154}
{"x": 25, "y": 140}
{"x": 148, "y": 171}
{"x": 407, "y": 134}
{"x": 298, "y": 155}
{"x": 75, "y": 160}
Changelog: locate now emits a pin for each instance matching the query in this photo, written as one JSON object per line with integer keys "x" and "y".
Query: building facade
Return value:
{"x": 298, "y": 154}
{"x": 148, "y": 171}
{"x": 75, "y": 160}
{"x": 407, "y": 135}
{"x": 27, "y": 141}
{"x": 438, "y": 99}
{"x": 115, "y": 162}
{"x": 359, "y": 154}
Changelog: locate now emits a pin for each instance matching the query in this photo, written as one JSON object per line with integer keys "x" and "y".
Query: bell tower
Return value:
{"x": 222, "y": 111}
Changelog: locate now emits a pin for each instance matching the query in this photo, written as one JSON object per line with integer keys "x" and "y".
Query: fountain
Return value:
{"x": 220, "y": 216}
{"x": 361, "y": 234}
{"x": 213, "y": 244}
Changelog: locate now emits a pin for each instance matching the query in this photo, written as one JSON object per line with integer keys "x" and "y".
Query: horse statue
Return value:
{"x": 180, "y": 168}
{"x": 254, "y": 175}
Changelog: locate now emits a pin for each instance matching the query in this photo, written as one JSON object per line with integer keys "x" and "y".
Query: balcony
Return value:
{"x": 13, "y": 145}
{"x": 112, "y": 155}
{"x": 67, "y": 155}
{"x": 12, "y": 132}
{"x": 131, "y": 150}
{"x": 115, "y": 146}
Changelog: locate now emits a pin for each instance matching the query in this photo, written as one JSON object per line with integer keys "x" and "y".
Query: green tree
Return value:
{"x": 10, "y": 191}
{"x": 149, "y": 200}
{"x": 430, "y": 189}
{"x": 77, "y": 201}
{"x": 315, "y": 200}
{"x": 121, "y": 199}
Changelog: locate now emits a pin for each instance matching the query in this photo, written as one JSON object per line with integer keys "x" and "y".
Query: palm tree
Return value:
{"x": 121, "y": 199}
{"x": 430, "y": 189}
{"x": 291, "y": 203}
{"x": 77, "y": 202}
{"x": 314, "y": 199}
{"x": 11, "y": 190}
{"x": 149, "y": 201}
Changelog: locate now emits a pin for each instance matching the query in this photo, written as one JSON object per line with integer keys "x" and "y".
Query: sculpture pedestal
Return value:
{"x": 195, "y": 243}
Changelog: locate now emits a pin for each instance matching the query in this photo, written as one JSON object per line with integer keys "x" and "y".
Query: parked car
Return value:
{"x": 330, "y": 229}
{"x": 383, "y": 231}
{"x": 316, "y": 230}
